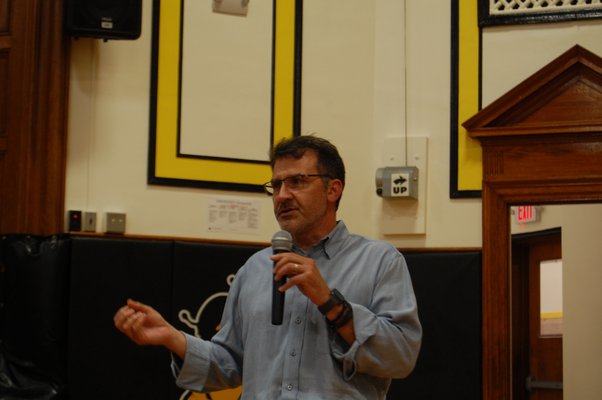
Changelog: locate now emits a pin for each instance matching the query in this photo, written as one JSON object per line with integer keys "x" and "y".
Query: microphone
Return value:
{"x": 282, "y": 242}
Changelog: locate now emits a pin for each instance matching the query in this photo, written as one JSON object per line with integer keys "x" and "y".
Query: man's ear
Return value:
{"x": 335, "y": 190}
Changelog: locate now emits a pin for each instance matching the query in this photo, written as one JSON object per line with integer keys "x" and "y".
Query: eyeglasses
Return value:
{"x": 293, "y": 183}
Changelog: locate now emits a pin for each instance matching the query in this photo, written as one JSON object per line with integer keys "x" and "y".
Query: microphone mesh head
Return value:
{"x": 282, "y": 240}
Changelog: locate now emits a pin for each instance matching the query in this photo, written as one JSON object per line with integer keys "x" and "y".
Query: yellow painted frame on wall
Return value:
{"x": 465, "y": 152}
{"x": 166, "y": 166}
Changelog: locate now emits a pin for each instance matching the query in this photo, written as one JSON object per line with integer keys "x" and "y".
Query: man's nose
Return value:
{"x": 283, "y": 192}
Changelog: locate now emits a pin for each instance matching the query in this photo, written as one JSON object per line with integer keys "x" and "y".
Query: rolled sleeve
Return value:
{"x": 388, "y": 335}
{"x": 192, "y": 372}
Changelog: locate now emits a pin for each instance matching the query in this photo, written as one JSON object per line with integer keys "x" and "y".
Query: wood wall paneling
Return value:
{"x": 34, "y": 62}
{"x": 4, "y": 16}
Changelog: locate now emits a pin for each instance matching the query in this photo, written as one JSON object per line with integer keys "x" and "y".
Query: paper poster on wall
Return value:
{"x": 232, "y": 214}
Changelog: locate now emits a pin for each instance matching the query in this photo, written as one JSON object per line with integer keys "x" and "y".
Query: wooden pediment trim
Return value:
{"x": 564, "y": 96}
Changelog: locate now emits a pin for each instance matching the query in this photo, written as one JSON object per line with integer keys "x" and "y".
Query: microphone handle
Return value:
{"x": 278, "y": 297}
{"x": 277, "y": 302}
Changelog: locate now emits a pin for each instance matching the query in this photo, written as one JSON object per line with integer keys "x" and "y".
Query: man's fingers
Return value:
{"x": 138, "y": 306}
{"x": 122, "y": 315}
{"x": 129, "y": 321}
{"x": 136, "y": 321}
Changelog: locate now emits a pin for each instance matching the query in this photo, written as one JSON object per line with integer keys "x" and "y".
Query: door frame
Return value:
{"x": 532, "y": 157}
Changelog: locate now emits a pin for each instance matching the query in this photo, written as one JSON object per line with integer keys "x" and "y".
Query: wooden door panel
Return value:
{"x": 4, "y": 16}
{"x": 5, "y": 47}
{"x": 537, "y": 359}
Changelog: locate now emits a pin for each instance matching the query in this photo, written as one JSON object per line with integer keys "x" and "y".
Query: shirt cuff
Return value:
{"x": 191, "y": 373}
{"x": 346, "y": 353}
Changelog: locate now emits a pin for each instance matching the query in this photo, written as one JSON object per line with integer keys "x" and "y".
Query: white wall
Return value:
{"x": 582, "y": 275}
{"x": 513, "y": 53}
{"x": 371, "y": 70}
{"x": 354, "y": 94}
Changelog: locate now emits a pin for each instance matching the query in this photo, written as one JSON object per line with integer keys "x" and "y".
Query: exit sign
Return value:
{"x": 526, "y": 214}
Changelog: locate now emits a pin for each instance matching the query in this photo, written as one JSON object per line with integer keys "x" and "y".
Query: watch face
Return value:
{"x": 338, "y": 296}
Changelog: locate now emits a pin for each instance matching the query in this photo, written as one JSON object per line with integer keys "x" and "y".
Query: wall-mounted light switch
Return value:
{"x": 89, "y": 221}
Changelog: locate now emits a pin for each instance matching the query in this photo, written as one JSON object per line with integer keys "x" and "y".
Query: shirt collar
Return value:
{"x": 332, "y": 242}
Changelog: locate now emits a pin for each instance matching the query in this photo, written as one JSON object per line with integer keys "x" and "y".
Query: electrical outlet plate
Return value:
{"x": 115, "y": 222}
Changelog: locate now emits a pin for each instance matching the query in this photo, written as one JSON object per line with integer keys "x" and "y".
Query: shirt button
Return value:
{"x": 298, "y": 321}
{"x": 293, "y": 353}
{"x": 289, "y": 387}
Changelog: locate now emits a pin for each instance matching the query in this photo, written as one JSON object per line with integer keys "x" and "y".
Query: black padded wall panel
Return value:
{"x": 104, "y": 363}
{"x": 33, "y": 316}
{"x": 448, "y": 291}
{"x": 105, "y": 19}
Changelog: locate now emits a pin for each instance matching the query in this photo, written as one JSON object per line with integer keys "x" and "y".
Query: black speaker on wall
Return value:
{"x": 104, "y": 19}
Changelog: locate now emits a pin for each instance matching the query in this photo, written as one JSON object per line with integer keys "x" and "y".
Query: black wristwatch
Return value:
{"x": 335, "y": 299}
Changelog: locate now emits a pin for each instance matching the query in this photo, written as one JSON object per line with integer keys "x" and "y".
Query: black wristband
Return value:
{"x": 344, "y": 316}
{"x": 339, "y": 315}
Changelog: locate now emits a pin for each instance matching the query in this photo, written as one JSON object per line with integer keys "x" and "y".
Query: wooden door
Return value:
{"x": 537, "y": 341}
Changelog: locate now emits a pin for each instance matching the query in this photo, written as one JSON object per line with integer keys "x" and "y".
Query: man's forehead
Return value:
{"x": 307, "y": 160}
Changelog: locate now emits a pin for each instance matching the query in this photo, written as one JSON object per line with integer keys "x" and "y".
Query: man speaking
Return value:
{"x": 349, "y": 319}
